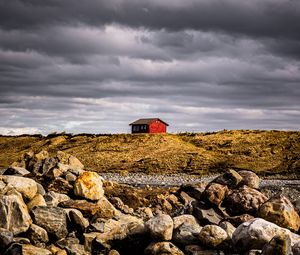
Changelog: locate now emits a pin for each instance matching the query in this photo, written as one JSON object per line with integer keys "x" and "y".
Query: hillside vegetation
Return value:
{"x": 265, "y": 152}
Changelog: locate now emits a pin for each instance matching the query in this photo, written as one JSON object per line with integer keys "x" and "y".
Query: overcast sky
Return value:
{"x": 201, "y": 65}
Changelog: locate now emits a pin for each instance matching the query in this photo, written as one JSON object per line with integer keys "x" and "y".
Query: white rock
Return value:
{"x": 161, "y": 227}
{"x": 254, "y": 234}
{"x": 212, "y": 236}
{"x": 27, "y": 187}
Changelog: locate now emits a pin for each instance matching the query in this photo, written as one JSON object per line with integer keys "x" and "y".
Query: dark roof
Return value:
{"x": 146, "y": 121}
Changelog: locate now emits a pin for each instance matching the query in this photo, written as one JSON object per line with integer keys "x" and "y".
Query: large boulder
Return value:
{"x": 244, "y": 200}
{"x": 212, "y": 236}
{"x": 186, "y": 229}
{"x": 14, "y": 215}
{"x": 162, "y": 248}
{"x": 215, "y": 193}
{"x": 52, "y": 219}
{"x": 89, "y": 186}
{"x": 160, "y": 227}
{"x": 255, "y": 233}
{"x": 280, "y": 211}
{"x": 250, "y": 179}
{"x": 27, "y": 187}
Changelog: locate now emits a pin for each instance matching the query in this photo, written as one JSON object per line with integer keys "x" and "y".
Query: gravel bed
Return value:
{"x": 140, "y": 179}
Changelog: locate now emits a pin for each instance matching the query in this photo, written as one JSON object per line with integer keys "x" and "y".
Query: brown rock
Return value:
{"x": 279, "y": 245}
{"x": 238, "y": 220}
{"x": 37, "y": 234}
{"x": 212, "y": 236}
{"x": 38, "y": 200}
{"x": 280, "y": 211}
{"x": 89, "y": 186}
{"x": 215, "y": 193}
{"x": 162, "y": 248}
{"x": 26, "y": 249}
{"x": 87, "y": 208}
{"x": 250, "y": 179}
{"x": 70, "y": 160}
{"x": 244, "y": 200}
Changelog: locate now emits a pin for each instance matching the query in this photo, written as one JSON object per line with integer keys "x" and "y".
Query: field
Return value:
{"x": 265, "y": 152}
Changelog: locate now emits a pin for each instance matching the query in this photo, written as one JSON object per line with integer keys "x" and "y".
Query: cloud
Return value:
{"x": 95, "y": 66}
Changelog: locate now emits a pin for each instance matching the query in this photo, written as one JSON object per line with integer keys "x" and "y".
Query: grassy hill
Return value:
{"x": 265, "y": 152}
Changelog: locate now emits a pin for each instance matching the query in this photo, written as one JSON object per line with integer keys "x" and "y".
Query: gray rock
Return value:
{"x": 254, "y": 234}
{"x": 52, "y": 219}
{"x": 53, "y": 198}
{"x": 206, "y": 216}
{"x": 199, "y": 250}
{"x": 14, "y": 170}
{"x": 296, "y": 248}
{"x": 14, "y": 214}
{"x": 160, "y": 227}
{"x": 37, "y": 234}
{"x": 6, "y": 237}
{"x": 40, "y": 189}
{"x": 230, "y": 178}
{"x": 186, "y": 229}
{"x": 76, "y": 220}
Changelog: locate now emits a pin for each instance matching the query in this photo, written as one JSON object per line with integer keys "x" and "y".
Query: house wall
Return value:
{"x": 157, "y": 127}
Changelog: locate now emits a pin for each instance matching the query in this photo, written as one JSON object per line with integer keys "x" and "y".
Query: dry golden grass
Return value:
{"x": 265, "y": 152}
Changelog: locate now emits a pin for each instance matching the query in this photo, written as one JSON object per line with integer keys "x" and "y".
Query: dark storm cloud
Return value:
{"x": 94, "y": 66}
{"x": 280, "y": 18}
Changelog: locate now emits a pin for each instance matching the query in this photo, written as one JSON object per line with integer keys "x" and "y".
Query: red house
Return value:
{"x": 151, "y": 126}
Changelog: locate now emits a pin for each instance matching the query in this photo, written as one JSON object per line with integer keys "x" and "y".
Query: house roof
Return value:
{"x": 147, "y": 121}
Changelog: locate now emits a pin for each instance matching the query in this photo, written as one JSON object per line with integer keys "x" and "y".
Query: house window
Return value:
{"x": 135, "y": 128}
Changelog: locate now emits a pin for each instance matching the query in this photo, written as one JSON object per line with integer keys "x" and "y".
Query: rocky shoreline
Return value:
{"x": 51, "y": 205}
